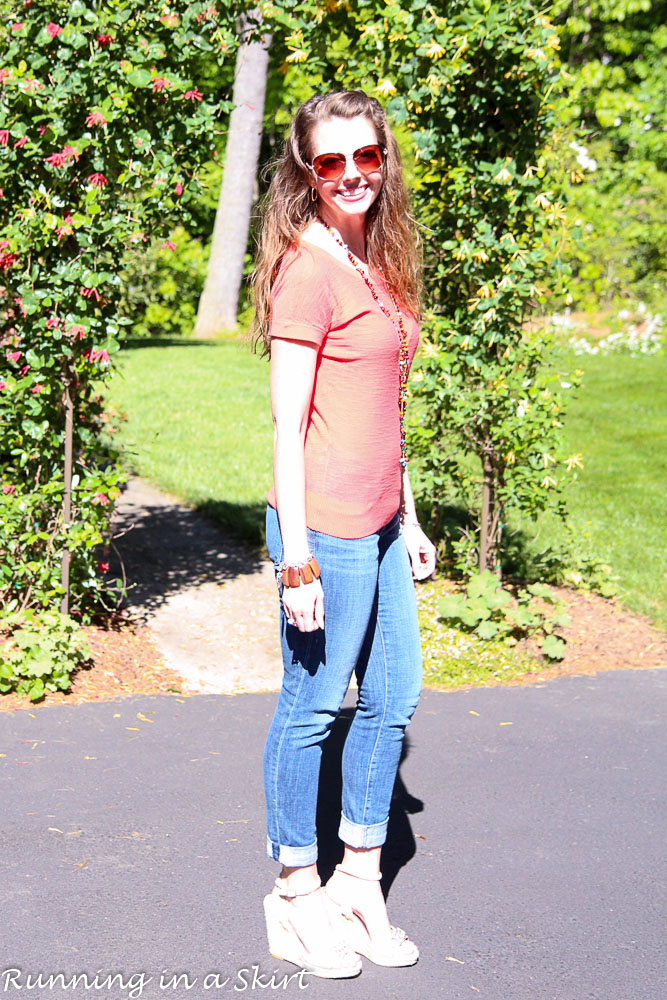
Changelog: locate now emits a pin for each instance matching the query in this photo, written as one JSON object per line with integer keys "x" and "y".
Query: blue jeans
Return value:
{"x": 371, "y": 627}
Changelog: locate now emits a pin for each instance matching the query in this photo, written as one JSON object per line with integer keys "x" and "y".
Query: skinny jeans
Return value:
{"x": 371, "y": 628}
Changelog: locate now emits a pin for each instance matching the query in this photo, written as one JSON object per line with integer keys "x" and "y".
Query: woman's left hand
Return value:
{"x": 420, "y": 549}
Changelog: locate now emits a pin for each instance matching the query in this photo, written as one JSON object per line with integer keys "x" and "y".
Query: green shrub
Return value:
{"x": 487, "y": 609}
{"x": 40, "y": 651}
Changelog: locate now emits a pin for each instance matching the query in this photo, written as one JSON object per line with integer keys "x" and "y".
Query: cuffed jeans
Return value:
{"x": 371, "y": 627}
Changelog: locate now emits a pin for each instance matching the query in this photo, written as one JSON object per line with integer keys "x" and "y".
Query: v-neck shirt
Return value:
{"x": 353, "y": 441}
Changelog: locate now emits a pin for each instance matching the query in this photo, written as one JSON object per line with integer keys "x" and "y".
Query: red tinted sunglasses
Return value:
{"x": 330, "y": 166}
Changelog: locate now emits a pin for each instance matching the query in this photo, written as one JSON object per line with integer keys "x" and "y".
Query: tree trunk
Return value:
{"x": 68, "y": 407}
{"x": 490, "y": 524}
{"x": 218, "y": 305}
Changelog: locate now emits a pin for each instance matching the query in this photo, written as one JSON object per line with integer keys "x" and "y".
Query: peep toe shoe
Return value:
{"x": 395, "y": 952}
{"x": 329, "y": 959}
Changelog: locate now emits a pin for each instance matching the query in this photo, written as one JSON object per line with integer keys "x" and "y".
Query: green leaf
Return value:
{"x": 553, "y": 647}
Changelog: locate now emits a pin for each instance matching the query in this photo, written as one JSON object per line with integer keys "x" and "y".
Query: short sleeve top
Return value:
{"x": 353, "y": 443}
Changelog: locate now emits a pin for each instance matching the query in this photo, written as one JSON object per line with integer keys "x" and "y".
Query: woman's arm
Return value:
{"x": 293, "y": 365}
{"x": 420, "y": 549}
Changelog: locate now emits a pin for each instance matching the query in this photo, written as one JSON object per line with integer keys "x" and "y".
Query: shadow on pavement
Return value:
{"x": 161, "y": 548}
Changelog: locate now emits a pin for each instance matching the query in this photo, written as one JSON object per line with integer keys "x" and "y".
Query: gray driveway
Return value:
{"x": 525, "y": 854}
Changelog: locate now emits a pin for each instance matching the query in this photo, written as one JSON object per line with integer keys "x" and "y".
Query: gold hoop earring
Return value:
{"x": 313, "y": 194}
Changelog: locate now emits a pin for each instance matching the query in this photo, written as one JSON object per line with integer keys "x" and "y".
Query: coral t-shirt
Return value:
{"x": 353, "y": 442}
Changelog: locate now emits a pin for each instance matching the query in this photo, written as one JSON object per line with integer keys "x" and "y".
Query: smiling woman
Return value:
{"x": 337, "y": 298}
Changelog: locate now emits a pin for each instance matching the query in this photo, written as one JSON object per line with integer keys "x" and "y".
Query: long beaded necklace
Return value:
{"x": 399, "y": 326}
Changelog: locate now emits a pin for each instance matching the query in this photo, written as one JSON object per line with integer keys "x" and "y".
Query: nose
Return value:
{"x": 351, "y": 172}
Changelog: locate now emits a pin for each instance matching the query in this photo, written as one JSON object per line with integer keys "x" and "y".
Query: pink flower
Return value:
{"x": 140, "y": 235}
{"x": 76, "y": 331}
{"x": 195, "y": 95}
{"x": 169, "y": 20}
{"x": 104, "y": 39}
{"x": 96, "y": 118}
{"x": 8, "y": 488}
{"x": 41, "y": 129}
{"x": 179, "y": 188}
{"x": 37, "y": 388}
{"x": 101, "y": 498}
{"x": 50, "y": 323}
{"x": 13, "y": 356}
{"x": 103, "y": 567}
{"x": 7, "y": 259}
{"x": 4, "y": 136}
{"x": 89, "y": 292}
{"x": 53, "y": 29}
{"x": 168, "y": 245}
{"x": 22, "y": 141}
{"x": 3, "y": 385}
{"x": 98, "y": 180}
{"x": 160, "y": 82}
{"x": 60, "y": 159}
{"x": 17, "y": 27}
{"x": 4, "y": 244}
{"x": 24, "y": 370}
{"x": 94, "y": 355}
{"x": 5, "y": 73}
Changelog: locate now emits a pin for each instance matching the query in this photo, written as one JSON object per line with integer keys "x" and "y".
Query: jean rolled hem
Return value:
{"x": 358, "y": 835}
{"x": 292, "y": 857}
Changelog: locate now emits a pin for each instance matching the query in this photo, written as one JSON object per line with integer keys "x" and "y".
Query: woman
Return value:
{"x": 336, "y": 292}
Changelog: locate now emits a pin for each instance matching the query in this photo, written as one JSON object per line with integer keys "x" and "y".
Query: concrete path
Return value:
{"x": 210, "y": 602}
{"x": 525, "y": 851}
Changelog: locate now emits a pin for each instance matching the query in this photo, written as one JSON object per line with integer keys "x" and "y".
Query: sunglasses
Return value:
{"x": 331, "y": 166}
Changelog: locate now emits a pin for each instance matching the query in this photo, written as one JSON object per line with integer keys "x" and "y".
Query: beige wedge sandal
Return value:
{"x": 331, "y": 960}
{"x": 397, "y": 952}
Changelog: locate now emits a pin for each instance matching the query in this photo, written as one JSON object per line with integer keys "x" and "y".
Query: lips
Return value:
{"x": 355, "y": 194}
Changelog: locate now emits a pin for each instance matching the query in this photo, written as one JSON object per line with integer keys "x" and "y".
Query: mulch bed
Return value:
{"x": 125, "y": 661}
{"x": 602, "y": 636}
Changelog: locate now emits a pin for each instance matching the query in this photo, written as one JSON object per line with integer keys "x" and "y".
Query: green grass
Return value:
{"x": 200, "y": 427}
{"x": 618, "y": 510}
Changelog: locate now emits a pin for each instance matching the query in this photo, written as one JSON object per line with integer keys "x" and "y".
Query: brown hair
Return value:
{"x": 391, "y": 238}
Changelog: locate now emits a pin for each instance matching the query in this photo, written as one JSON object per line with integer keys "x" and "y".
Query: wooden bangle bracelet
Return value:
{"x": 293, "y": 575}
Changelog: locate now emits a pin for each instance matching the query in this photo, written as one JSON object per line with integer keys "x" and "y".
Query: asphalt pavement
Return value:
{"x": 526, "y": 847}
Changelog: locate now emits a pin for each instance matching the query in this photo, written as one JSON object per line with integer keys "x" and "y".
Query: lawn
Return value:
{"x": 200, "y": 427}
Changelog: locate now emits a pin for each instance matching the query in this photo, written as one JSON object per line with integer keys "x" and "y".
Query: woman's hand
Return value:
{"x": 420, "y": 549}
{"x": 304, "y": 606}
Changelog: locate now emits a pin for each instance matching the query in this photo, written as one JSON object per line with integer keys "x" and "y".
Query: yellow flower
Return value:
{"x": 535, "y": 54}
{"x": 485, "y": 292}
{"x": 568, "y": 299}
{"x": 574, "y": 462}
{"x": 510, "y": 458}
{"x": 548, "y": 459}
{"x": 386, "y": 88}
{"x": 505, "y": 282}
{"x": 461, "y": 253}
{"x": 489, "y": 315}
{"x": 418, "y": 376}
{"x": 480, "y": 255}
{"x": 429, "y": 350}
{"x": 297, "y": 56}
{"x": 576, "y": 176}
{"x": 528, "y": 172}
{"x": 396, "y": 36}
{"x": 503, "y": 176}
{"x": 507, "y": 236}
{"x": 548, "y": 481}
{"x": 542, "y": 200}
{"x": 434, "y": 83}
{"x": 557, "y": 214}
{"x": 435, "y": 51}
{"x": 553, "y": 42}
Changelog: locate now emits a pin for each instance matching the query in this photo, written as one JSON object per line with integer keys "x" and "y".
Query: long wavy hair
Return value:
{"x": 391, "y": 236}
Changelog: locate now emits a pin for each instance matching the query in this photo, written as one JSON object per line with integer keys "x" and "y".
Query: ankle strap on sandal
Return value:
{"x": 365, "y": 878}
{"x": 288, "y": 893}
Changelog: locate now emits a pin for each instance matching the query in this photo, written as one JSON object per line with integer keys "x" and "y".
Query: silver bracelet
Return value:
{"x": 283, "y": 565}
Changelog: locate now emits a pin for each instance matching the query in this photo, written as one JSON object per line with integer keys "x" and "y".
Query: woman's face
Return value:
{"x": 353, "y": 193}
